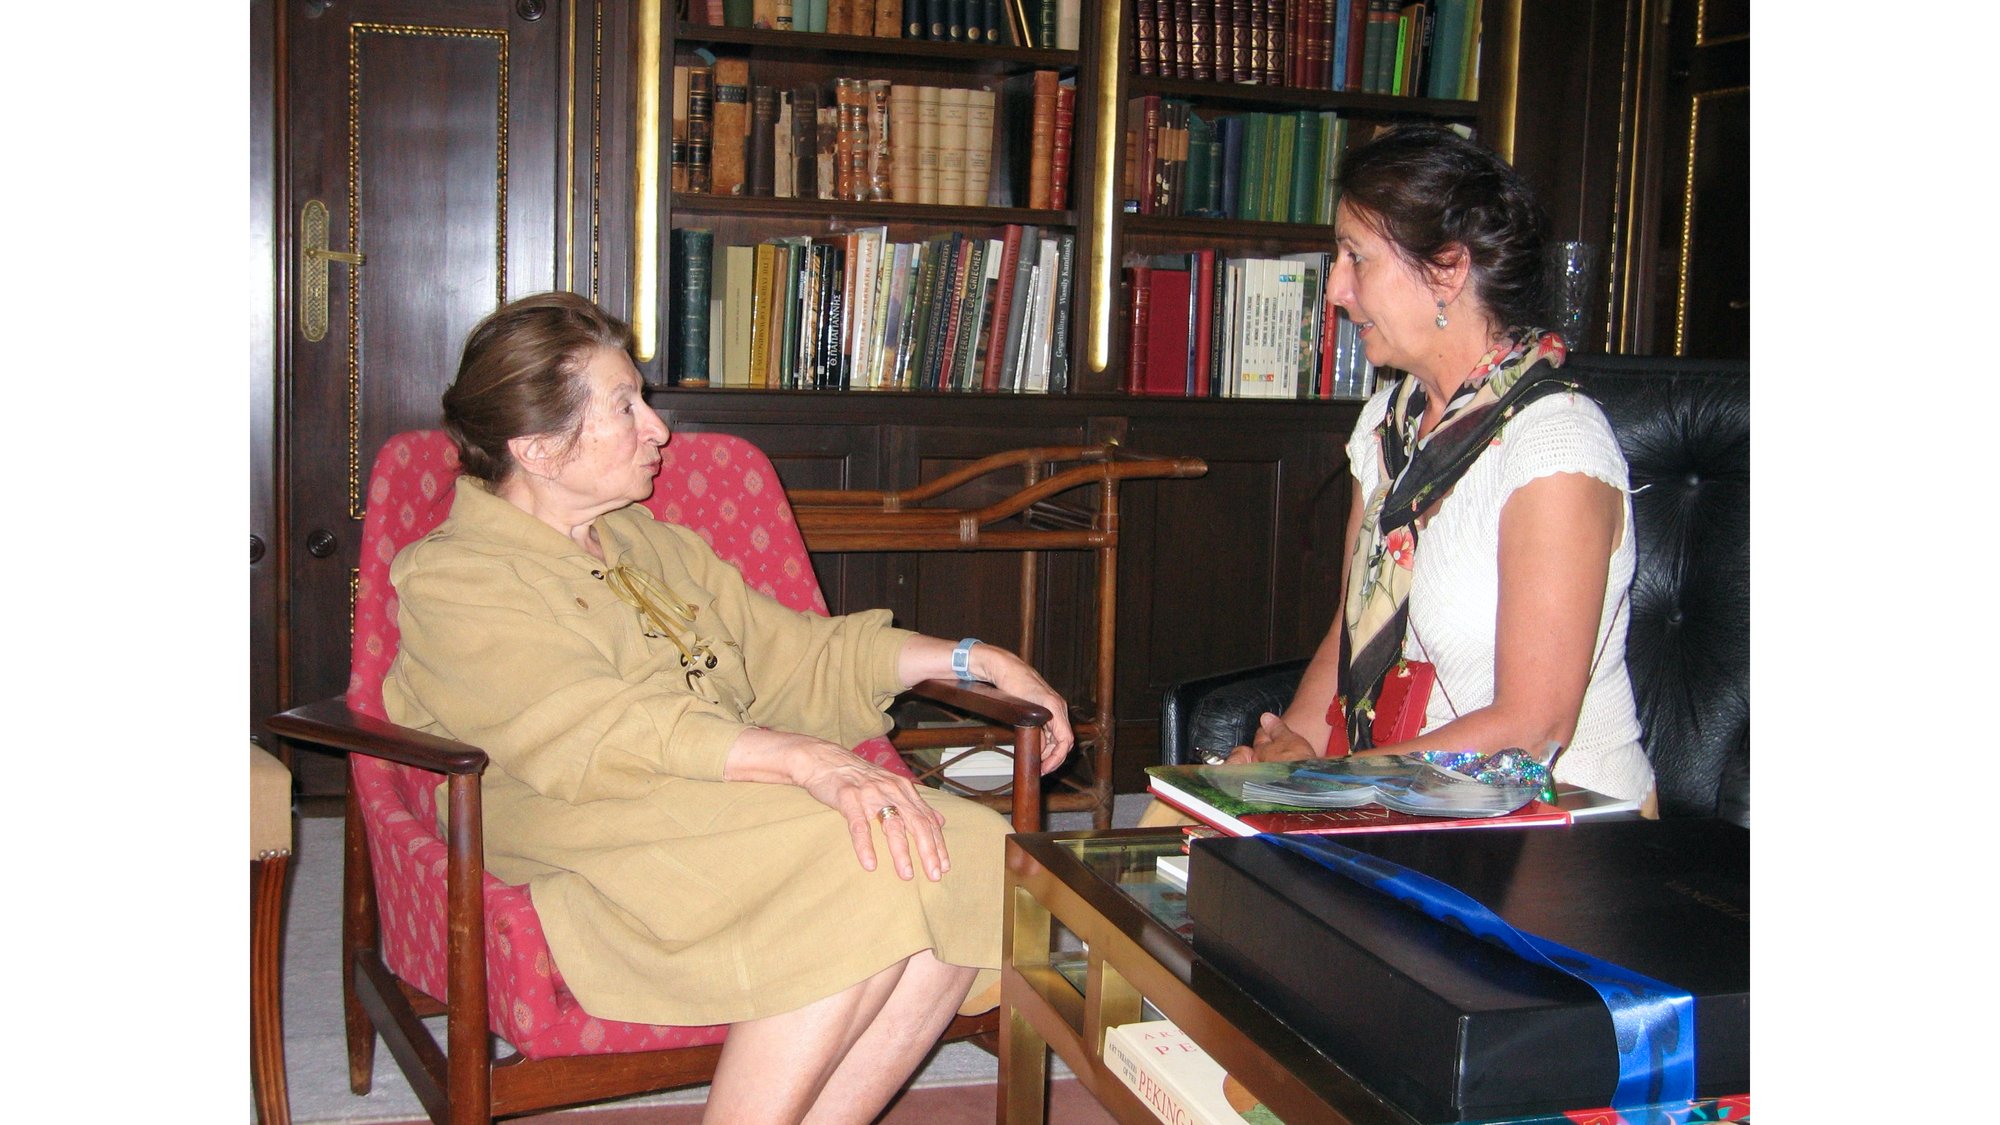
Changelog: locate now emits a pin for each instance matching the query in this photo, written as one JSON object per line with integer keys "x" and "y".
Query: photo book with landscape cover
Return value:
{"x": 1357, "y": 794}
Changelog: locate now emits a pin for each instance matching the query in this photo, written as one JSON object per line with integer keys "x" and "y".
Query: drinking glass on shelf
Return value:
{"x": 1573, "y": 279}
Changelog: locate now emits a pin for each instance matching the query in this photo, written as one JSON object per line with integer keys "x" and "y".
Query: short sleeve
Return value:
{"x": 1364, "y": 449}
{"x": 1563, "y": 433}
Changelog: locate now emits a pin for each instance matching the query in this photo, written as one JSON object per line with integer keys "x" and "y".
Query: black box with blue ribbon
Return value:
{"x": 1470, "y": 975}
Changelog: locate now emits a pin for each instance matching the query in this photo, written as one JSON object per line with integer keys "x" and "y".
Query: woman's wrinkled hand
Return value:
{"x": 1016, "y": 677}
{"x": 860, "y": 791}
{"x": 1274, "y": 742}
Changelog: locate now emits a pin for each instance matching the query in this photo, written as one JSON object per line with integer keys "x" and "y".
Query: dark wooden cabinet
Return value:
{"x": 1236, "y": 568}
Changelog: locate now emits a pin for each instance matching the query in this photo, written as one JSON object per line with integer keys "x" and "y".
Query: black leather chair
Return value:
{"x": 1685, "y": 428}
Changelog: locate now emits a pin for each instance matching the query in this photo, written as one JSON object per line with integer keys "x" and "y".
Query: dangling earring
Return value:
{"x": 1441, "y": 322}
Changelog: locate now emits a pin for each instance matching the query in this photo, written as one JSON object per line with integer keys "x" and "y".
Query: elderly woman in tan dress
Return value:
{"x": 672, "y": 778}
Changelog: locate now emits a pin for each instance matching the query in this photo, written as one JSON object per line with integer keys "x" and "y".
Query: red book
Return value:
{"x": 1065, "y": 139}
{"x": 1357, "y": 43}
{"x": 1138, "y": 281}
{"x": 1204, "y": 320}
{"x": 1297, "y": 23}
{"x": 1149, "y": 149}
{"x": 1003, "y": 306}
{"x": 1166, "y": 369}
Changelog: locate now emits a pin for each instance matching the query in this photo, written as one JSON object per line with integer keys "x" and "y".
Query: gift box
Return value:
{"x": 1453, "y": 1028}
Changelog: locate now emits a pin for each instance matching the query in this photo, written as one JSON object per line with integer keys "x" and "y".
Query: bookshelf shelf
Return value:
{"x": 776, "y": 46}
{"x": 1291, "y": 97}
{"x": 695, "y": 203}
{"x": 1197, "y": 227}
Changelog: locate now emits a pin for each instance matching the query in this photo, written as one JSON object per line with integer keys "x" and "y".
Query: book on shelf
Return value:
{"x": 687, "y": 312}
{"x": 1042, "y": 140}
{"x": 951, "y": 147}
{"x": 1215, "y": 796}
{"x": 732, "y": 125}
{"x": 1374, "y": 46}
{"x": 678, "y": 131}
{"x": 1063, "y": 142}
{"x": 785, "y": 149}
{"x": 1176, "y": 1079}
{"x": 980, "y": 106}
{"x": 700, "y": 127}
{"x": 1264, "y": 167}
{"x": 758, "y": 173}
{"x": 1205, "y": 324}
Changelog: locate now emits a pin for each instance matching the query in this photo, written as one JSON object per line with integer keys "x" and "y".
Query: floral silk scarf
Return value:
{"x": 1415, "y": 478}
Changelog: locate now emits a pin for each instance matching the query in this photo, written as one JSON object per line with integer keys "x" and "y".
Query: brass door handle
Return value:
{"x": 313, "y": 259}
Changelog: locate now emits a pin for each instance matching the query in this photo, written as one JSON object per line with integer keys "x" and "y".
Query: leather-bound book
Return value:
{"x": 915, "y": 25}
{"x": 951, "y": 146}
{"x": 888, "y": 18}
{"x": 678, "y": 116}
{"x": 737, "y": 13}
{"x": 1240, "y": 25}
{"x": 1139, "y": 325}
{"x": 805, "y": 142}
{"x": 826, "y": 157}
{"x": 1259, "y": 10}
{"x": 1045, "y": 35}
{"x": 979, "y": 110}
{"x": 762, "y": 150}
{"x": 1042, "y": 139}
{"x": 1065, "y": 140}
{"x": 837, "y": 15}
{"x": 875, "y": 107}
{"x": 1146, "y": 41}
{"x": 732, "y": 124}
{"x": 764, "y": 13}
{"x": 927, "y": 143}
{"x": 1201, "y": 40}
{"x": 1183, "y": 39}
{"x": 1274, "y": 41}
{"x": 1149, "y": 152}
{"x": 785, "y": 145}
{"x": 996, "y": 22}
{"x": 903, "y": 143}
{"x": 700, "y": 127}
{"x": 1357, "y": 45}
{"x": 687, "y": 342}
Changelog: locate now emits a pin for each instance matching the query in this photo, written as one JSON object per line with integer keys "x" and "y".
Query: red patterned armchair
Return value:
{"x": 426, "y": 929}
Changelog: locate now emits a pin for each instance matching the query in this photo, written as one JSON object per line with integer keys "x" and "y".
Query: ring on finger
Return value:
{"x": 886, "y": 812}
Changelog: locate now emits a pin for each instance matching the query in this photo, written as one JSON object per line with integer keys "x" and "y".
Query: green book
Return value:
{"x": 737, "y": 13}
{"x": 1403, "y": 29}
{"x": 1255, "y": 165}
{"x": 794, "y": 250}
{"x": 1306, "y": 177}
{"x": 692, "y": 249}
{"x": 1284, "y": 134}
{"x": 1196, "y": 197}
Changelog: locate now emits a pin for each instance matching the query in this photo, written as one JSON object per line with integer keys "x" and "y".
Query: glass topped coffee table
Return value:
{"x": 1104, "y": 888}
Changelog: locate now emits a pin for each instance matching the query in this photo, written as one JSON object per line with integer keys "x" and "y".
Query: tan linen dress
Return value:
{"x": 668, "y": 895}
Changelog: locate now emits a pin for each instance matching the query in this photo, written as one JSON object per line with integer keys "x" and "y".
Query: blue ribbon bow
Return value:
{"x": 1654, "y": 1021}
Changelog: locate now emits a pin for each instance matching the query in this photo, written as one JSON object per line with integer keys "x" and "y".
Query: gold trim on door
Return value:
{"x": 1103, "y": 291}
{"x": 646, "y": 184}
{"x": 1507, "y": 77}
{"x": 355, "y": 508}
{"x": 1687, "y": 216}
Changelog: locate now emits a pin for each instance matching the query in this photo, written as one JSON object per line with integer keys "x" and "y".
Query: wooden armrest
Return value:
{"x": 985, "y": 701}
{"x": 330, "y": 723}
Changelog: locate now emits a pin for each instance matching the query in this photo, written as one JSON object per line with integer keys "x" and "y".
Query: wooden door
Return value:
{"x": 421, "y": 179}
{"x": 1704, "y": 306}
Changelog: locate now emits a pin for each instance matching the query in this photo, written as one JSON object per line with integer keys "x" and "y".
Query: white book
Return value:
{"x": 1260, "y": 370}
{"x": 885, "y": 267}
{"x": 928, "y": 98}
{"x": 1069, "y": 24}
{"x": 1174, "y": 1077}
{"x": 953, "y": 119}
{"x": 1232, "y": 327}
{"x": 860, "y": 293}
{"x": 714, "y": 331}
{"x": 1285, "y": 340}
{"x": 1044, "y": 322}
{"x": 979, "y": 107}
{"x": 896, "y": 267}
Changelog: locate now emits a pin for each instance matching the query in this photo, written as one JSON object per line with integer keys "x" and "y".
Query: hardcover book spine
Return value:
{"x": 1305, "y": 167}
{"x": 732, "y": 124}
{"x": 1146, "y": 37}
{"x": 815, "y": 16}
{"x": 1240, "y": 23}
{"x": 827, "y": 154}
{"x": 903, "y": 144}
{"x": 764, "y": 13}
{"x": 888, "y": 18}
{"x": 1065, "y": 138}
{"x": 1258, "y": 41}
{"x": 784, "y": 145}
{"x": 692, "y": 249}
{"x": 1010, "y": 256}
{"x": 837, "y": 12}
{"x": 965, "y": 333}
{"x": 982, "y": 333}
{"x": 760, "y": 315}
{"x": 951, "y": 147}
{"x": 805, "y": 142}
{"x": 1045, "y": 35}
{"x": 1139, "y": 327}
{"x": 1065, "y": 286}
{"x": 783, "y": 21}
{"x": 915, "y": 23}
{"x": 917, "y": 351}
{"x": 875, "y": 103}
{"x": 1231, "y": 186}
{"x": 1201, "y": 40}
{"x": 1149, "y": 151}
{"x": 979, "y": 107}
{"x": 1357, "y": 45}
{"x": 739, "y": 270}
{"x": 1041, "y": 150}
{"x": 996, "y": 23}
{"x": 700, "y": 127}
{"x": 1275, "y": 41}
{"x": 1017, "y": 320}
{"x": 1204, "y": 323}
{"x": 1069, "y": 24}
{"x": 1173, "y": 37}
{"x": 762, "y": 150}
{"x": 928, "y": 103}
{"x": 737, "y": 13}
{"x": 678, "y": 174}
{"x": 942, "y": 307}
{"x": 939, "y": 20}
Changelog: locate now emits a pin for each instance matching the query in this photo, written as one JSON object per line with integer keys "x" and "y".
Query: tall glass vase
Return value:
{"x": 1573, "y": 282}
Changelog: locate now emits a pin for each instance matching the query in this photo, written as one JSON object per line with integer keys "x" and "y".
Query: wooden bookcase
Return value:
{"x": 1233, "y": 569}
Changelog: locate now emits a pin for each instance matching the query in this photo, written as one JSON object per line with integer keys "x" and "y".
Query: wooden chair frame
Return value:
{"x": 873, "y": 520}
{"x": 461, "y": 1083}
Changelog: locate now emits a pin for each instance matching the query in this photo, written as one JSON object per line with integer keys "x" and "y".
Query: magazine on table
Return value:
{"x": 1374, "y": 792}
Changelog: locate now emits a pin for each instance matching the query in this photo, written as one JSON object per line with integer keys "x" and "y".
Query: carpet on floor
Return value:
{"x": 315, "y": 1031}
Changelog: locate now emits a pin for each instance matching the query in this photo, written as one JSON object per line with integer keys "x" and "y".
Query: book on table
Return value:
{"x": 1331, "y": 795}
{"x": 1178, "y": 1080}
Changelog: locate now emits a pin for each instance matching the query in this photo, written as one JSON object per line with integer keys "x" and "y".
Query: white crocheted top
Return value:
{"x": 1455, "y": 589}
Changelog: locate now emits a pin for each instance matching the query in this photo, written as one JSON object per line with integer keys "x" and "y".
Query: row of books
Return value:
{"x": 1209, "y": 326}
{"x": 855, "y": 311}
{"x": 1012, "y": 23}
{"x": 868, "y": 139}
{"x": 1364, "y": 46}
{"x": 1271, "y": 167}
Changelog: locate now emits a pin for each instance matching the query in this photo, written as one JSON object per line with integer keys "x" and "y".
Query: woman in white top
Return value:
{"x": 1488, "y": 529}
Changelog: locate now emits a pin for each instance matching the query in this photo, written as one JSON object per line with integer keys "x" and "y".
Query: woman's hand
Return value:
{"x": 1274, "y": 742}
{"x": 1014, "y": 676}
{"x": 856, "y": 788}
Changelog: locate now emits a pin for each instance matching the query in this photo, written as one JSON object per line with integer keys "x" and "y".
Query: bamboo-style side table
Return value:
{"x": 1102, "y": 886}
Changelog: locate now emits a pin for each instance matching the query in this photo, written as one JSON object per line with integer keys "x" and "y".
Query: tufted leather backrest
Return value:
{"x": 1685, "y": 428}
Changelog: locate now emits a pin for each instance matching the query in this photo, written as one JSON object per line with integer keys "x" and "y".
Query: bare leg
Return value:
{"x": 890, "y": 1049}
{"x": 773, "y": 1068}
{"x": 843, "y": 1057}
